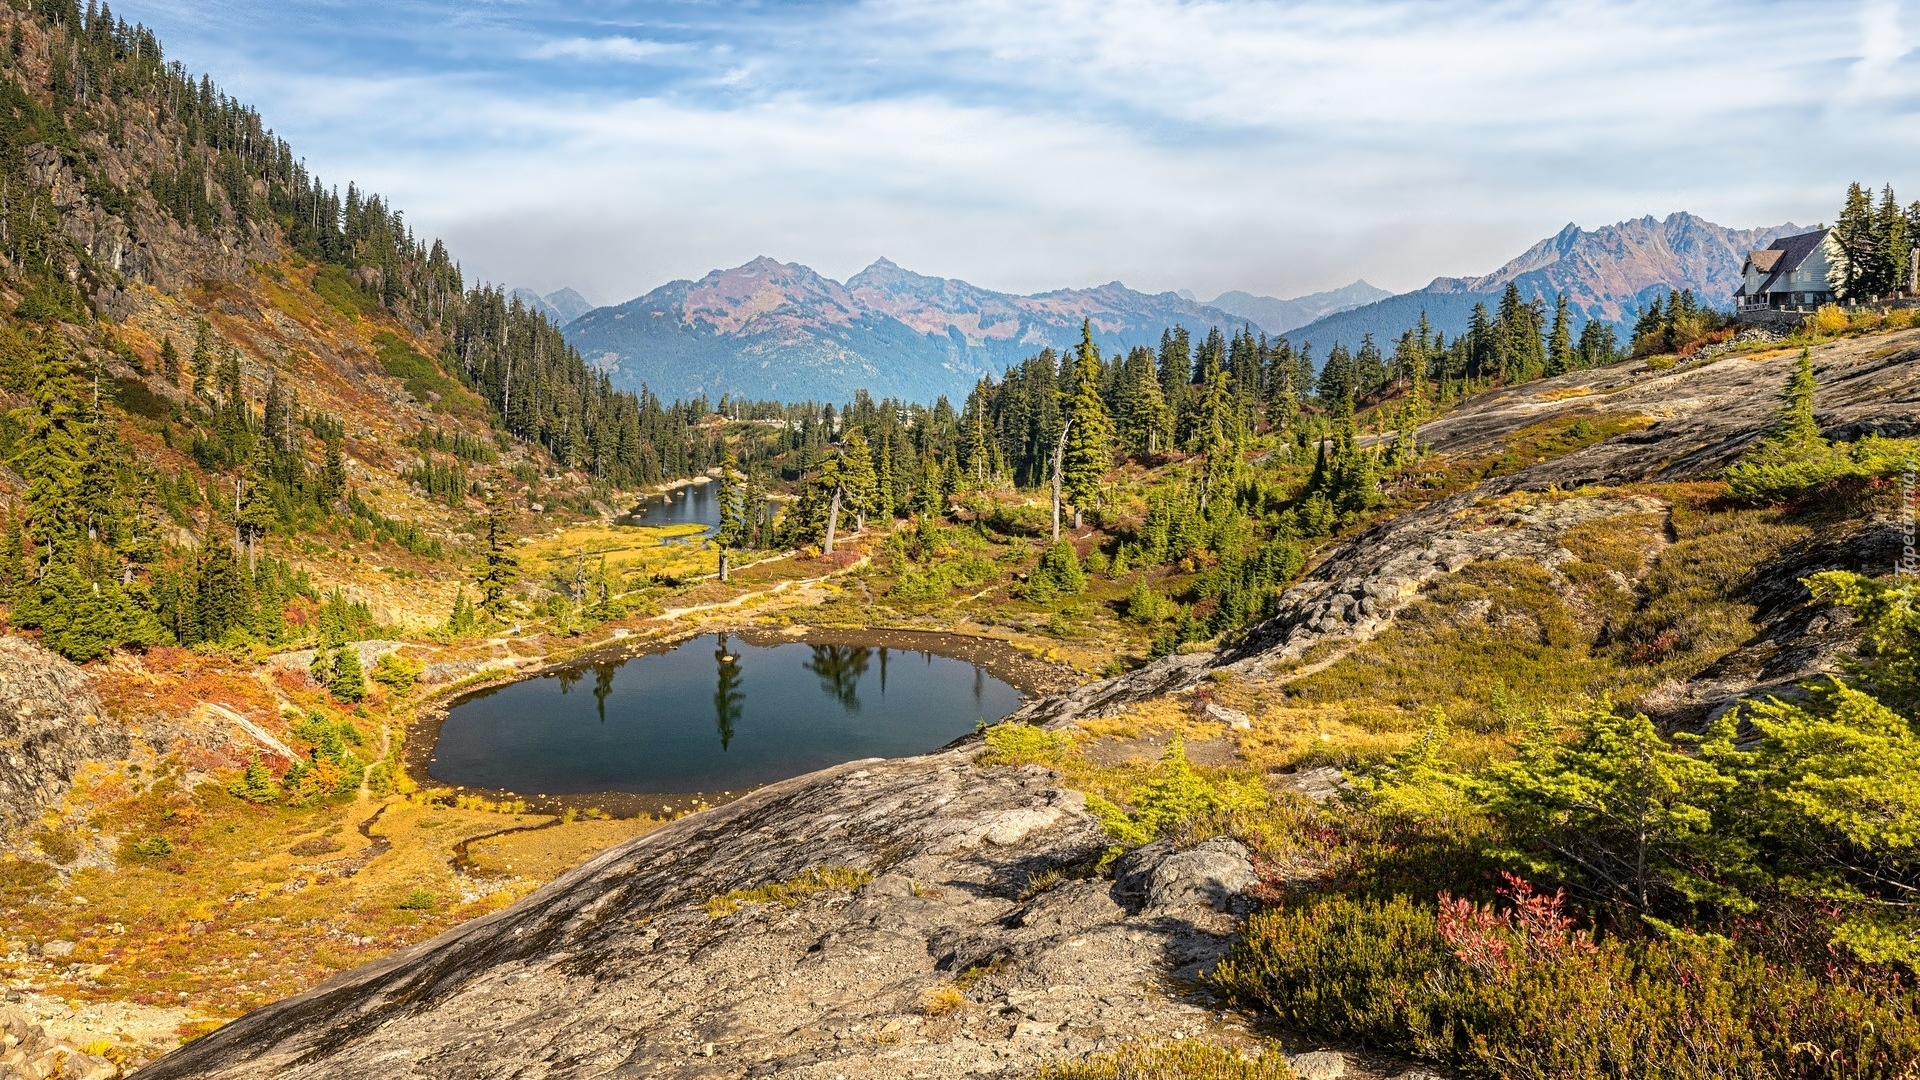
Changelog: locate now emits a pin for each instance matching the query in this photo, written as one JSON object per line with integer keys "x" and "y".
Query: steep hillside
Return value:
{"x": 1277, "y": 316}
{"x": 779, "y": 330}
{"x": 1608, "y": 274}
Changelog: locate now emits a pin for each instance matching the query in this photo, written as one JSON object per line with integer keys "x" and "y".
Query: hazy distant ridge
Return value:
{"x": 769, "y": 329}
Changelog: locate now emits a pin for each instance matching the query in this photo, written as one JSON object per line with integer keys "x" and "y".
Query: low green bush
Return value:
{"x": 1175, "y": 793}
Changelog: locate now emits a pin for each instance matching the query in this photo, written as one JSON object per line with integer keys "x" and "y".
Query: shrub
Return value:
{"x": 1144, "y": 604}
{"x": 1176, "y": 793}
{"x": 255, "y": 784}
{"x": 1016, "y": 743}
{"x": 1176, "y": 1059}
{"x": 919, "y": 586}
{"x": 1830, "y": 319}
{"x": 791, "y": 892}
{"x": 150, "y": 847}
{"x": 1519, "y": 994}
{"x": 397, "y": 673}
{"x": 418, "y": 900}
{"x": 942, "y": 1000}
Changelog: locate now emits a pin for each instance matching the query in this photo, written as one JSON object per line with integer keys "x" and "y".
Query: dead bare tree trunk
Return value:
{"x": 1059, "y": 461}
{"x": 833, "y": 520}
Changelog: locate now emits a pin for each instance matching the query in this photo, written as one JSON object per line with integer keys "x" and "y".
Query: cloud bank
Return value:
{"x": 1278, "y": 146}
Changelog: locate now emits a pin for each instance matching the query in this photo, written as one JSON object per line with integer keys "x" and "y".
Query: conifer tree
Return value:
{"x": 1892, "y": 250}
{"x": 1336, "y": 382}
{"x": 349, "y": 682}
{"x": 1850, "y": 244}
{"x": 462, "y": 620}
{"x": 1560, "y": 358}
{"x": 52, "y": 451}
{"x": 732, "y": 530}
{"x": 862, "y": 482}
{"x": 200, "y": 366}
{"x": 499, "y": 571}
{"x": 169, "y": 361}
{"x": 1089, "y": 440}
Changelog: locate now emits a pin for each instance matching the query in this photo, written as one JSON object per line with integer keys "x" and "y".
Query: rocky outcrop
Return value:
{"x": 28, "y": 1052}
{"x": 50, "y": 722}
{"x": 1355, "y": 594}
{"x": 981, "y": 945}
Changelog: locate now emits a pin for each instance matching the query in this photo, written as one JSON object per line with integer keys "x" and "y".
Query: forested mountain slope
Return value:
{"x": 206, "y": 341}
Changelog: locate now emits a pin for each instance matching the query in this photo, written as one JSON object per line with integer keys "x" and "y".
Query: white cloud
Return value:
{"x": 1206, "y": 144}
{"x": 620, "y": 48}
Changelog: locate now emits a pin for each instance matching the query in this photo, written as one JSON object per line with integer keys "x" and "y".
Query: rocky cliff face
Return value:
{"x": 50, "y": 723}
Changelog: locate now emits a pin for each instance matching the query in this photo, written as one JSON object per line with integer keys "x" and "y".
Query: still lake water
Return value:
{"x": 693, "y": 504}
{"x": 712, "y": 714}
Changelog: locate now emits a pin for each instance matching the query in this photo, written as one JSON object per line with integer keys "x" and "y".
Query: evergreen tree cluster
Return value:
{"x": 1673, "y": 322}
{"x": 1870, "y": 250}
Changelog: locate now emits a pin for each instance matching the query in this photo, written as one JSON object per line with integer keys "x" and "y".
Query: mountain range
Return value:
{"x": 561, "y": 306}
{"x": 1277, "y": 316}
{"x": 769, "y": 329}
{"x": 1609, "y": 274}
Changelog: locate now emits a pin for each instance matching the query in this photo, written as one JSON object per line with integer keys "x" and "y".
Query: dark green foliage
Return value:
{"x": 255, "y": 784}
{"x": 348, "y": 681}
{"x": 446, "y": 481}
{"x": 1675, "y": 325}
{"x": 468, "y": 448}
{"x": 1520, "y": 994}
{"x": 499, "y": 572}
{"x": 83, "y": 618}
{"x": 1058, "y": 574}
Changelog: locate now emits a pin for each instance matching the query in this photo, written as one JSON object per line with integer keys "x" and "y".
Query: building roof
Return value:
{"x": 1783, "y": 257}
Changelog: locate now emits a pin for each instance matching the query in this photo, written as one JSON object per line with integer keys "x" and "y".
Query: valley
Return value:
{"x": 1078, "y": 686}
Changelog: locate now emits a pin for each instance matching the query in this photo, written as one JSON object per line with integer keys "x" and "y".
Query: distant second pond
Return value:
{"x": 690, "y": 504}
{"x": 713, "y": 714}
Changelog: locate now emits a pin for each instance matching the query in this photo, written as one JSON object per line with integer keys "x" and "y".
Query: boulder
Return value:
{"x": 1319, "y": 1065}
{"x": 1158, "y": 877}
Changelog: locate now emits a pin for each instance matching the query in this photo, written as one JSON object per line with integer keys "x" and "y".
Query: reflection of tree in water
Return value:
{"x": 568, "y": 677}
{"x": 840, "y": 668}
{"x": 603, "y": 686}
{"x": 727, "y": 695}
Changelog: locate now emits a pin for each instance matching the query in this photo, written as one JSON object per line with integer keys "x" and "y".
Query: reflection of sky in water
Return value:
{"x": 713, "y": 714}
{"x": 693, "y": 504}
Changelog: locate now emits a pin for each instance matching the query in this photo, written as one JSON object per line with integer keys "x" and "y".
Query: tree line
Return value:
{"x": 1870, "y": 248}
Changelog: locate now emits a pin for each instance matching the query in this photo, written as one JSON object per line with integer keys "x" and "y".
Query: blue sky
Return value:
{"x": 1278, "y": 146}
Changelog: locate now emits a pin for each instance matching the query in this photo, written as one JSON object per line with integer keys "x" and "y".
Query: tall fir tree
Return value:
{"x": 499, "y": 569}
{"x": 1560, "y": 358}
{"x": 731, "y": 509}
{"x": 1090, "y": 438}
{"x": 1850, "y": 244}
